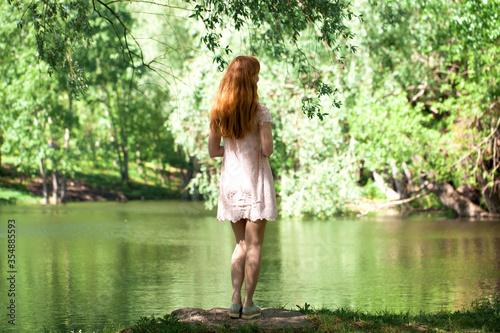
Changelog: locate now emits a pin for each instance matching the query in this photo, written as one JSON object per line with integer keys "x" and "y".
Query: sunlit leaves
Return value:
{"x": 276, "y": 28}
{"x": 61, "y": 29}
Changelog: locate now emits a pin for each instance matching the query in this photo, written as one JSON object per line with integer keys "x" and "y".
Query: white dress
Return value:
{"x": 247, "y": 187}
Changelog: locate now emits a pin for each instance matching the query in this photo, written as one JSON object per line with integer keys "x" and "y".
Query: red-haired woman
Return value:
{"x": 247, "y": 196}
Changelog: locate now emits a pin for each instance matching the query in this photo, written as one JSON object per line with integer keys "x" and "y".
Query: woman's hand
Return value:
{"x": 214, "y": 147}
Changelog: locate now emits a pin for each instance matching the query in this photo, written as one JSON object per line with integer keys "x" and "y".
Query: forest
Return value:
{"x": 375, "y": 103}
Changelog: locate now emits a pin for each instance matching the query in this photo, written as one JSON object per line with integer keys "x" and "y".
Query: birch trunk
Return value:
{"x": 55, "y": 186}
{"x": 44, "y": 182}
{"x": 66, "y": 149}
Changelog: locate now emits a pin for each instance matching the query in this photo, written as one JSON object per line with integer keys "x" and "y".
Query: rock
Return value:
{"x": 271, "y": 319}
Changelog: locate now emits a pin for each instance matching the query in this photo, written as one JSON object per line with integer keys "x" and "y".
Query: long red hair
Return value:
{"x": 235, "y": 104}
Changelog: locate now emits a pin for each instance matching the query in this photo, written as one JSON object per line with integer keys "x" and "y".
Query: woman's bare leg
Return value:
{"x": 254, "y": 238}
{"x": 238, "y": 260}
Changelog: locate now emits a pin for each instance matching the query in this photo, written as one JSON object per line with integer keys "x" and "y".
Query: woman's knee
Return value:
{"x": 240, "y": 250}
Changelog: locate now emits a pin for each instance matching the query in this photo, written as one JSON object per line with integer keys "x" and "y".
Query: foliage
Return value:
{"x": 61, "y": 31}
{"x": 276, "y": 28}
{"x": 425, "y": 93}
{"x": 421, "y": 96}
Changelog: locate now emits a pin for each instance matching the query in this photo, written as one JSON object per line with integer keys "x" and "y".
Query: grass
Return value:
{"x": 12, "y": 191}
{"x": 109, "y": 178}
{"x": 13, "y": 196}
{"x": 481, "y": 316}
{"x": 135, "y": 189}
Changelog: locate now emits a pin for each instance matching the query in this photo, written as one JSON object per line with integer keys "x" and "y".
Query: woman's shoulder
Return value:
{"x": 263, "y": 114}
{"x": 261, "y": 107}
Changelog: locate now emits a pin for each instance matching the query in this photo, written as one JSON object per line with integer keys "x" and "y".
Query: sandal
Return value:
{"x": 250, "y": 312}
{"x": 235, "y": 311}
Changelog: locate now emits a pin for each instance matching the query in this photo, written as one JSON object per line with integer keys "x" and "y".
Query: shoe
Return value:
{"x": 235, "y": 310}
{"x": 250, "y": 312}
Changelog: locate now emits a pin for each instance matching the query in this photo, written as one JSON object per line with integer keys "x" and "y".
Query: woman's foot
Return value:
{"x": 250, "y": 312}
{"x": 235, "y": 310}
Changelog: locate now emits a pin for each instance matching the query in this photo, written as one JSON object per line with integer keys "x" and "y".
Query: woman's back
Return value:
{"x": 246, "y": 195}
{"x": 247, "y": 188}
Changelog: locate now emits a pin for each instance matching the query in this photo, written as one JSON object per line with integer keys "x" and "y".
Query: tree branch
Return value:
{"x": 149, "y": 3}
{"x": 477, "y": 148}
{"x": 392, "y": 203}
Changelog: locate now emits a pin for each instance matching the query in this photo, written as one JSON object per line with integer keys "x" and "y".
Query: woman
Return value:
{"x": 247, "y": 196}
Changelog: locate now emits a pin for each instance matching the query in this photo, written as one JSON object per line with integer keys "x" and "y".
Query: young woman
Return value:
{"x": 247, "y": 196}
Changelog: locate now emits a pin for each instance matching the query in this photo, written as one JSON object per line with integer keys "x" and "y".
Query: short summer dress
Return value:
{"x": 246, "y": 186}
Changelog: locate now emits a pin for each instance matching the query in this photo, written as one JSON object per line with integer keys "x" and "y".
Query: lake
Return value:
{"x": 85, "y": 265}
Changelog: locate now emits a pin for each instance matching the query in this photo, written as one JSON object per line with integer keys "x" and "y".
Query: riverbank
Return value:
{"x": 105, "y": 185}
{"x": 481, "y": 316}
{"x": 89, "y": 185}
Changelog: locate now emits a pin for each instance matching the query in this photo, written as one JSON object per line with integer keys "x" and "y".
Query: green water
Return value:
{"x": 83, "y": 265}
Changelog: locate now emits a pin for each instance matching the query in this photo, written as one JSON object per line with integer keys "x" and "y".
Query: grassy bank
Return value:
{"x": 92, "y": 184}
{"x": 14, "y": 190}
{"x": 481, "y": 316}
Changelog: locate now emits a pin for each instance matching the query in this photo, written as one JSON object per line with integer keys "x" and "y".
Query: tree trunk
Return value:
{"x": 166, "y": 175}
{"x": 194, "y": 162}
{"x": 389, "y": 192}
{"x": 122, "y": 128}
{"x": 157, "y": 173}
{"x": 408, "y": 177}
{"x": 119, "y": 136}
{"x": 117, "y": 144}
{"x": 185, "y": 182}
{"x": 55, "y": 186}
{"x": 1, "y": 144}
{"x": 44, "y": 182}
{"x": 125, "y": 165}
{"x": 66, "y": 147}
{"x": 491, "y": 199}
{"x": 162, "y": 174}
{"x": 63, "y": 189}
{"x": 470, "y": 192}
{"x": 120, "y": 162}
{"x": 455, "y": 201}
{"x": 398, "y": 180}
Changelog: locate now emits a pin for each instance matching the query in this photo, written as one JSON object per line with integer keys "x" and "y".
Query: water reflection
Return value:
{"x": 83, "y": 265}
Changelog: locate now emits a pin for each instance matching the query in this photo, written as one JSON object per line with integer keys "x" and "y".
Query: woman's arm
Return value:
{"x": 266, "y": 139}
{"x": 214, "y": 147}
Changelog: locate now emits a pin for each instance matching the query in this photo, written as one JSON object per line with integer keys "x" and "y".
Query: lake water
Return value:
{"x": 85, "y": 265}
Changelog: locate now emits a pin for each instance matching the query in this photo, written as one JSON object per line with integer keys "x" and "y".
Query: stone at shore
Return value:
{"x": 271, "y": 319}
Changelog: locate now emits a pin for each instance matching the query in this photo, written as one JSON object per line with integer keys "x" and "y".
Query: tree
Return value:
{"x": 36, "y": 115}
{"x": 427, "y": 97}
{"x": 64, "y": 27}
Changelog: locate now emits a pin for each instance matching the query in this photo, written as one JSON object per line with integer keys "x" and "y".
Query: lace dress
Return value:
{"x": 247, "y": 187}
